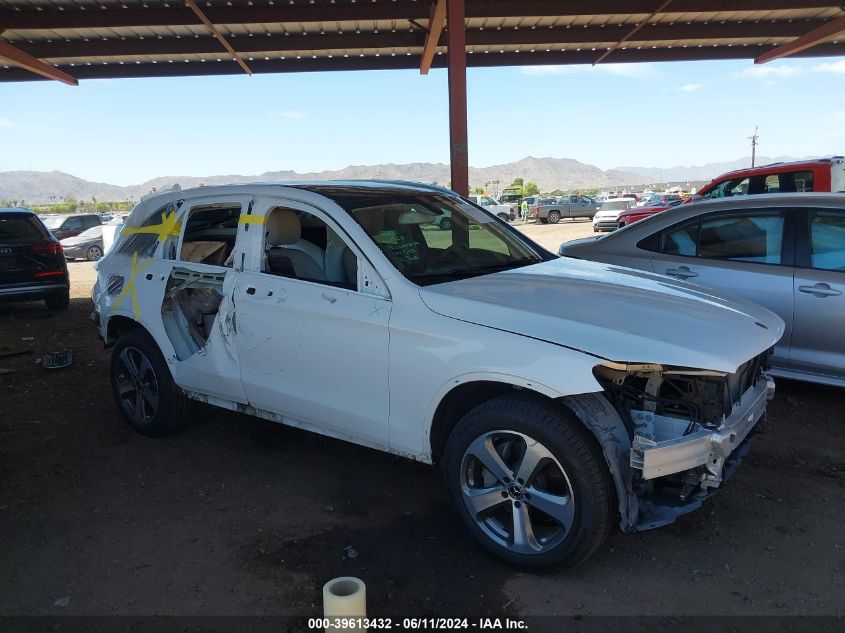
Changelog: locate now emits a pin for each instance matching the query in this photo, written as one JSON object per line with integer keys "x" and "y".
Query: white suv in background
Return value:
{"x": 607, "y": 216}
{"x": 559, "y": 397}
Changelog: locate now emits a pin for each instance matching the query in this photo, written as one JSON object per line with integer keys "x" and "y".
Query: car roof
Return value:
{"x": 759, "y": 170}
{"x": 17, "y": 210}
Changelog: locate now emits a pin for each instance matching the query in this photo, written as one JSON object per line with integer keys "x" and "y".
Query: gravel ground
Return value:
{"x": 241, "y": 516}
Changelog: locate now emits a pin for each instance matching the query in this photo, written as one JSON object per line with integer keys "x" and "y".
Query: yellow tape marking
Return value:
{"x": 129, "y": 286}
{"x": 251, "y": 219}
{"x": 169, "y": 227}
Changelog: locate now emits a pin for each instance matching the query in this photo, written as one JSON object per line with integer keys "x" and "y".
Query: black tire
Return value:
{"x": 503, "y": 217}
{"x": 94, "y": 253}
{"x": 543, "y": 220}
{"x": 554, "y": 217}
{"x": 445, "y": 224}
{"x": 58, "y": 301}
{"x": 554, "y": 429}
{"x": 154, "y": 417}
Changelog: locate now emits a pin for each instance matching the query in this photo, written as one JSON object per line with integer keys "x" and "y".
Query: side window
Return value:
{"x": 300, "y": 245}
{"x": 486, "y": 202}
{"x": 91, "y": 220}
{"x": 773, "y": 183}
{"x": 72, "y": 223}
{"x": 795, "y": 181}
{"x": 753, "y": 237}
{"x": 144, "y": 243}
{"x": 827, "y": 240}
{"x": 209, "y": 234}
{"x": 681, "y": 240}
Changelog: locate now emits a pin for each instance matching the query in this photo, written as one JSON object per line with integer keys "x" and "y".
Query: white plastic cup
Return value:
{"x": 344, "y": 597}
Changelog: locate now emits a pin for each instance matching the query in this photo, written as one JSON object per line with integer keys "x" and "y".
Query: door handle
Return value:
{"x": 683, "y": 272}
{"x": 819, "y": 290}
{"x": 250, "y": 290}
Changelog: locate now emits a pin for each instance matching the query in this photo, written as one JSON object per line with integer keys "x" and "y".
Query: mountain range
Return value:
{"x": 38, "y": 187}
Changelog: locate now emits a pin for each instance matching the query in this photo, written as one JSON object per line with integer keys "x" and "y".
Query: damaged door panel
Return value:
{"x": 198, "y": 314}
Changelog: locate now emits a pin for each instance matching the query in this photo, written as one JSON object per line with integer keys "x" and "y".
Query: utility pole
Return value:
{"x": 754, "y": 138}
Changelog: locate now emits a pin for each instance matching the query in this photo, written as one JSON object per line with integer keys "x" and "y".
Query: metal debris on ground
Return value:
{"x": 350, "y": 552}
{"x": 57, "y": 360}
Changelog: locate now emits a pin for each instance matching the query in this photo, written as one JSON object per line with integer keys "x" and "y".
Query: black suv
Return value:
{"x": 32, "y": 262}
{"x": 65, "y": 226}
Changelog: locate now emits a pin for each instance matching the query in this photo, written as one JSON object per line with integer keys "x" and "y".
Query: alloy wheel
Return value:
{"x": 137, "y": 386}
{"x": 517, "y": 492}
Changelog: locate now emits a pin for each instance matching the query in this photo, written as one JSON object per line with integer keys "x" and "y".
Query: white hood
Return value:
{"x": 614, "y": 313}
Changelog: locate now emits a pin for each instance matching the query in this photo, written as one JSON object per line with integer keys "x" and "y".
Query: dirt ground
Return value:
{"x": 241, "y": 516}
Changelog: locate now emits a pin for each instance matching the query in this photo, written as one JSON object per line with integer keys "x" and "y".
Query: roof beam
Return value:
{"x": 808, "y": 40}
{"x": 74, "y": 18}
{"x": 432, "y": 38}
{"x": 282, "y": 44}
{"x": 633, "y": 31}
{"x": 34, "y": 65}
{"x": 476, "y": 60}
{"x": 213, "y": 30}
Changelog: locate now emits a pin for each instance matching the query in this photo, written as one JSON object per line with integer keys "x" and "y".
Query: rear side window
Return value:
{"x": 682, "y": 240}
{"x": 827, "y": 240}
{"x": 210, "y": 234}
{"x": 748, "y": 237}
{"x": 143, "y": 243}
{"x": 18, "y": 229}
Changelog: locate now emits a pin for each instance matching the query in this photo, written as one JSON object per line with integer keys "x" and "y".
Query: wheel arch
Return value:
{"x": 593, "y": 410}
{"x": 118, "y": 325}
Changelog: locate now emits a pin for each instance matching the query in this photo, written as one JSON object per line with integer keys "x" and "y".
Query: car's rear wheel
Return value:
{"x": 94, "y": 253}
{"x": 529, "y": 482}
{"x": 554, "y": 217}
{"x": 58, "y": 300}
{"x": 504, "y": 217}
{"x": 445, "y": 224}
{"x": 143, "y": 386}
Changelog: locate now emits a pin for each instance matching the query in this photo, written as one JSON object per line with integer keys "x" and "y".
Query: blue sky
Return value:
{"x": 127, "y": 131}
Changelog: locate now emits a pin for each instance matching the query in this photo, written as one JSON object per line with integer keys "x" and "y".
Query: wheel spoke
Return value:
{"x": 138, "y": 410}
{"x": 129, "y": 363}
{"x": 560, "y": 508}
{"x": 125, "y": 386}
{"x": 483, "y": 450}
{"x": 523, "y": 531}
{"x": 535, "y": 454}
{"x": 151, "y": 397}
{"x": 145, "y": 368}
{"x": 479, "y": 500}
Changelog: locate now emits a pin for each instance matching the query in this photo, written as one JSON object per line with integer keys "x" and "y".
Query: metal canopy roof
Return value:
{"x": 149, "y": 38}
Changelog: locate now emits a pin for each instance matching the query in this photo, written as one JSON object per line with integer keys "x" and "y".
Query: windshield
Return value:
{"x": 434, "y": 238}
{"x": 614, "y": 205}
{"x": 53, "y": 221}
{"x": 96, "y": 231}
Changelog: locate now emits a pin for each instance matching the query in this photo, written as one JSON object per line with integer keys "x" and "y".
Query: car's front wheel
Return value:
{"x": 528, "y": 482}
{"x": 143, "y": 386}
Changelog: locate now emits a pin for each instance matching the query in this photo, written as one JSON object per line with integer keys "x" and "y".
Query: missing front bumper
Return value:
{"x": 669, "y": 452}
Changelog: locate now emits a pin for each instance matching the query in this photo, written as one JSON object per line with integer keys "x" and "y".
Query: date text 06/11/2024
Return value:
{"x": 414, "y": 624}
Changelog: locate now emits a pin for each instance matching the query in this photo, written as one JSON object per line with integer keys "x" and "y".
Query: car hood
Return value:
{"x": 614, "y": 313}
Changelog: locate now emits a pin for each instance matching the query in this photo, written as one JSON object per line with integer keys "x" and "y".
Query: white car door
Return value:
{"x": 313, "y": 345}
{"x": 818, "y": 343}
{"x": 196, "y": 286}
{"x": 740, "y": 253}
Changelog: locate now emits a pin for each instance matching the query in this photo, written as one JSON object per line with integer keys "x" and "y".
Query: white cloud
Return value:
{"x": 637, "y": 71}
{"x": 290, "y": 114}
{"x": 620, "y": 70}
{"x": 685, "y": 88}
{"x": 770, "y": 72}
{"x": 832, "y": 67}
{"x": 4, "y": 122}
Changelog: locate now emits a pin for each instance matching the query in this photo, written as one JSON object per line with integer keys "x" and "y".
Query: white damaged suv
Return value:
{"x": 559, "y": 397}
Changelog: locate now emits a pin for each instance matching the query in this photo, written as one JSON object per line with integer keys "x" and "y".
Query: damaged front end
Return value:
{"x": 688, "y": 429}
